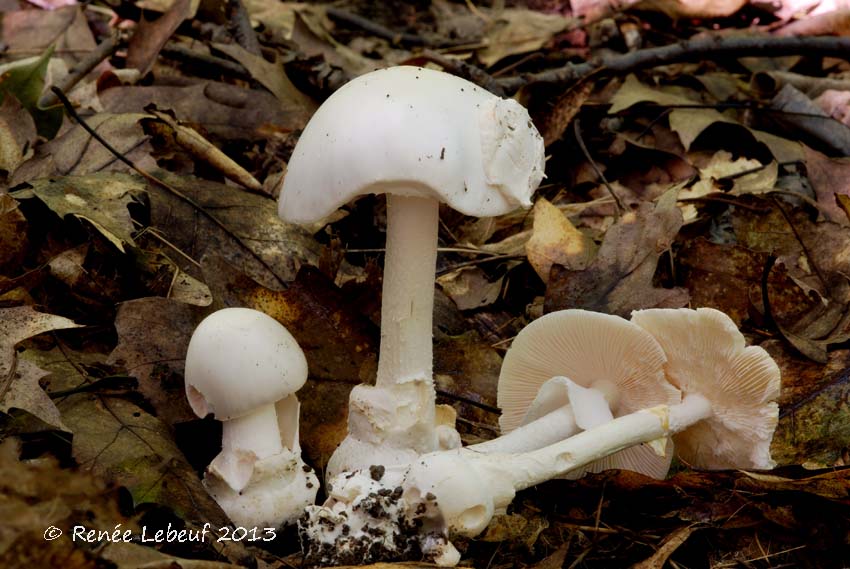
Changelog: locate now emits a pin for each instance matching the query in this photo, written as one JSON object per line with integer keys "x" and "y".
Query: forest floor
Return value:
{"x": 140, "y": 195}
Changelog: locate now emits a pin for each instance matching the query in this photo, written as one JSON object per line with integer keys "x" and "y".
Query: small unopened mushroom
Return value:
{"x": 422, "y": 137}
{"x": 244, "y": 367}
{"x": 575, "y": 369}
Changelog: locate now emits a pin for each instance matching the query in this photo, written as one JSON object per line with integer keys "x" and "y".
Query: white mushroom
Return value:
{"x": 732, "y": 388}
{"x": 574, "y": 369}
{"x": 422, "y": 137}
{"x": 244, "y": 367}
{"x": 729, "y": 393}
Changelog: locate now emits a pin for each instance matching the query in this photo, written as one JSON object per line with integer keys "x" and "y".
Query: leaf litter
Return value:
{"x": 713, "y": 181}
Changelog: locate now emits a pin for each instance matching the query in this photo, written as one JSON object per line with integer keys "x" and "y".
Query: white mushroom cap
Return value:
{"x": 238, "y": 360}
{"x": 414, "y": 132}
{"x": 592, "y": 350}
{"x": 707, "y": 355}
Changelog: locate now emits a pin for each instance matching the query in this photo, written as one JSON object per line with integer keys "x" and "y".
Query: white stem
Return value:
{"x": 244, "y": 441}
{"x": 548, "y": 429}
{"x": 257, "y": 433}
{"x": 407, "y": 303}
{"x": 531, "y": 468}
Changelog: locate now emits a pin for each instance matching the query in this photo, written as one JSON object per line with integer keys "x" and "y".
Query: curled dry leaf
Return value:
{"x": 99, "y": 199}
{"x": 556, "y": 241}
{"x": 20, "y": 387}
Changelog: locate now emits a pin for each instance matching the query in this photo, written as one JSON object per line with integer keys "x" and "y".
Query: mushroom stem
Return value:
{"x": 645, "y": 426}
{"x": 245, "y": 440}
{"x": 407, "y": 303}
{"x": 548, "y": 429}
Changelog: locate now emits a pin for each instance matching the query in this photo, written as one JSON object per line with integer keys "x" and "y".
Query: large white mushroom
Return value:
{"x": 244, "y": 367}
{"x": 422, "y": 137}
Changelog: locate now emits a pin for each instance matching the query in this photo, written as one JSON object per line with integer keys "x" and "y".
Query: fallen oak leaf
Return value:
{"x": 554, "y": 240}
{"x": 19, "y": 381}
{"x": 619, "y": 279}
{"x": 100, "y": 199}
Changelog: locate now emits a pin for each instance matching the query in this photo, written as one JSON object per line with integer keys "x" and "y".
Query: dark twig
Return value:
{"x": 153, "y": 179}
{"x": 194, "y": 58}
{"x": 690, "y": 50}
{"x": 377, "y": 30}
{"x": 586, "y": 152}
{"x": 82, "y": 68}
{"x": 473, "y": 402}
{"x": 465, "y": 70}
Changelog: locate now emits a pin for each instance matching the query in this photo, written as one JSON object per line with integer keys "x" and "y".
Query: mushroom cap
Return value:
{"x": 593, "y": 350}
{"x": 706, "y": 354}
{"x": 238, "y": 360}
{"x": 415, "y": 132}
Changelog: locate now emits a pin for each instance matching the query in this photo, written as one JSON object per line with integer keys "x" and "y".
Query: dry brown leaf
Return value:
{"x": 632, "y": 92}
{"x": 620, "y": 277}
{"x": 223, "y": 110}
{"x": 153, "y": 335}
{"x": 836, "y": 22}
{"x": 270, "y": 75}
{"x": 19, "y": 381}
{"x": 75, "y": 152}
{"x": 100, "y": 199}
{"x": 31, "y": 32}
{"x": 39, "y": 494}
{"x": 554, "y": 240}
{"x": 801, "y": 115}
{"x": 519, "y": 30}
{"x": 17, "y": 134}
{"x": 470, "y": 288}
{"x": 829, "y": 177}
{"x": 561, "y": 114}
{"x": 13, "y": 236}
{"x": 253, "y": 218}
{"x": 150, "y": 36}
{"x": 202, "y": 149}
{"x": 135, "y": 556}
{"x": 813, "y": 417}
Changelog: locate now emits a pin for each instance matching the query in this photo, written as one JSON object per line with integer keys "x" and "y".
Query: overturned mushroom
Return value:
{"x": 575, "y": 369}
{"x": 244, "y": 367}
{"x": 732, "y": 388}
{"x": 422, "y": 137}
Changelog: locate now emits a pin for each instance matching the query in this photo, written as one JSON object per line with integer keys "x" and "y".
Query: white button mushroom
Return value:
{"x": 576, "y": 369}
{"x": 244, "y": 367}
{"x": 422, "y": 137}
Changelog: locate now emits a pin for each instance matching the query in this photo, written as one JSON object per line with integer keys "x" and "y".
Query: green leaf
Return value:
{"x": 26, "y": 82}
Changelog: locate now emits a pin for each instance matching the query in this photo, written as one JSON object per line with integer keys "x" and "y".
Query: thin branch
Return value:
{"x": 378, "y": 30}
{"x": 690, "y": 50}
{"x": 103, "y": 50}
{"x": 586, "y": 152}
{"x": 153, "y": 179}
